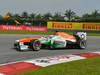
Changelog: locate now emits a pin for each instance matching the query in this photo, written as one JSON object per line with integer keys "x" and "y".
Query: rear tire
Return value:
{"x": 35, "y": 45}
{"x": 82, "y": 44}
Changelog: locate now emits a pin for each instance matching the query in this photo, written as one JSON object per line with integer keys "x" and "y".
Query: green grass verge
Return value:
{"x": 39, "y": 33}
{"x": 93, "y": 34}
{"x": 81, "y": 67}
{"x": 26, "y": 32}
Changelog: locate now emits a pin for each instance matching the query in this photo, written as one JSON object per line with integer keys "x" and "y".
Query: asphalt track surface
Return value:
{"x": 9, "y": 54}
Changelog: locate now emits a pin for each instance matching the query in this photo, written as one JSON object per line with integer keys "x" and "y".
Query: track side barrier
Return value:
{"x": 73, "y": 26}
{"x": 22, "y": 28}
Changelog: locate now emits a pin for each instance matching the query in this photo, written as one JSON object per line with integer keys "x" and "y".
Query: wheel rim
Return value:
{"x": 37, "y": 45}
{"x": 83, "y": 44}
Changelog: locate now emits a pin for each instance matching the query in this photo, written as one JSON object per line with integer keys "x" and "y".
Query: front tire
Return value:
{"x": 35, "y": 45}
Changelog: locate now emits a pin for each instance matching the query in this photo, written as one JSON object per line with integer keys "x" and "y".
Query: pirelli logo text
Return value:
{"x": 62, "y": 25}
{"x": 91, "y": 26}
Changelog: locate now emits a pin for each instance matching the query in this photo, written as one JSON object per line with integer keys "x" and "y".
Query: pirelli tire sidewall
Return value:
{"x": 82, "y": 44}
{"x": 33, "y": 45}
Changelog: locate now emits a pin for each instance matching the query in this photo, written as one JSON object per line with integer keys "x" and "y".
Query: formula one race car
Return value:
{"x": 59, "y": 40}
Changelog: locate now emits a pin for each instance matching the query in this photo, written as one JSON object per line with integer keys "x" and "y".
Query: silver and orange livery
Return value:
{"x": 59, "y": 40}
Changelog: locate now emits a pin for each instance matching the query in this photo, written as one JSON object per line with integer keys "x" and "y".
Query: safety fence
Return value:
{"x": 73, "y": 26}
{"x": 22, "y": 28}
{"x": 56, "y": 26}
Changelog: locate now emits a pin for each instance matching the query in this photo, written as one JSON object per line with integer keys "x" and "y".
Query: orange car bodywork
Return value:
{"x": 62, "y": 34}
{"x": 65, "y": 35}
{"x": 28, "y": 39}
